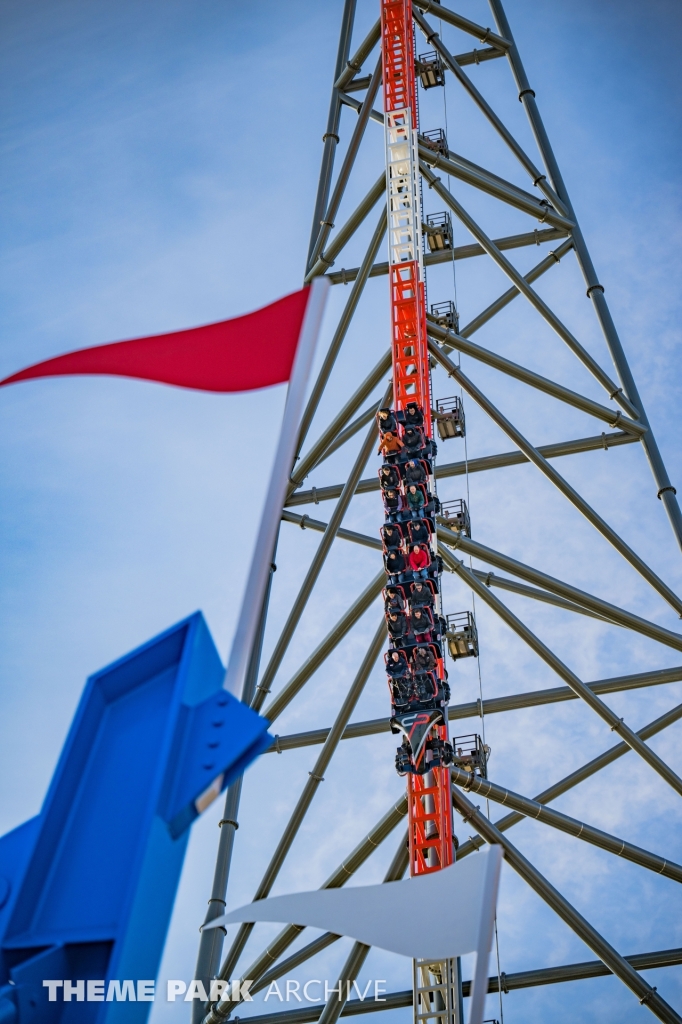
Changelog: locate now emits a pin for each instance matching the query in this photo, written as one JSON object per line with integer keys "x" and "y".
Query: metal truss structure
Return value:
{"x": 423, "y": 241}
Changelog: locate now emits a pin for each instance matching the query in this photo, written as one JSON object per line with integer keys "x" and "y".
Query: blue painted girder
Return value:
{"x": 87, "y": 887}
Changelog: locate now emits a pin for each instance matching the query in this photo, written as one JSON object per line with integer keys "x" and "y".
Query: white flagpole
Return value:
{"x": 257, "y": 578}
{"x": 479, "y": 984}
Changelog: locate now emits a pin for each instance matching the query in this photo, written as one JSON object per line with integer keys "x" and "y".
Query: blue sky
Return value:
{"x": 159, "y": 167}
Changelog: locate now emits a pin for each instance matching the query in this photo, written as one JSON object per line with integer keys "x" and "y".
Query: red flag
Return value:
{"x": 242, "y": 354}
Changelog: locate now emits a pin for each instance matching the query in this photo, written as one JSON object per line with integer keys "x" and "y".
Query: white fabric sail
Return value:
{"x": 432, "y": 916}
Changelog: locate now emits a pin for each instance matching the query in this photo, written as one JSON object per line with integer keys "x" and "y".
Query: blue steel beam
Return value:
{"x": 87, "y": 886}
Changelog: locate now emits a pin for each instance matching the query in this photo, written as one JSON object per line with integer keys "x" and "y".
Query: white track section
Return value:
{"x": 402, "y": 186}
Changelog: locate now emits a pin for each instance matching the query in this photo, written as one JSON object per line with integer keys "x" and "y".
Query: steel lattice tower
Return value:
{"x": 621, "y": 420}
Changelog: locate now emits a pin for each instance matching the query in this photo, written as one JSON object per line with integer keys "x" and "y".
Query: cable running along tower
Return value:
{"x": 422, "y": 537}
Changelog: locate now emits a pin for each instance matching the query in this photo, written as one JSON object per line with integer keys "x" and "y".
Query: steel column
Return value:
{"x": 331, "y": 136}
{"x": 595, "y": 291}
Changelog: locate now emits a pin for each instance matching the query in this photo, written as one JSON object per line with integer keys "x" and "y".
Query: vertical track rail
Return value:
{"x": 437, "y": 989}
{"x": 411, "y": 378}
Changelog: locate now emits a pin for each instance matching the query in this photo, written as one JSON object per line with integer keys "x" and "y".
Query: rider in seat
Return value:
{"x": 414, "y": 472}
{"x": 421, "y": 622}
{"x": 423, "y": 659}
{"x": 389, "y": 477}
{"x": 416, "y": 498}
{"x": 413, "y": 415}
{"x": 421, "y": 595}
{"x": 419, "y": 559}
{"x": 419, "y": 531}
{"x": 397, "y": 666}
{"x": 397, "y": 625}
{"x": 390, "y": 446}
{"x": 393, "y": 502}
{"x": 392, "y": 537}
{"x": 413, "y": 439}
{"x": 386, "y": 421}
{"x": 394, "y": 599}
{"x": 394, "y": 562}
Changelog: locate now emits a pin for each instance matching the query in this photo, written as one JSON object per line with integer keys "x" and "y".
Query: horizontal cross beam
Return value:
{"x": 504, "y": 459}
{"x": 460, "y": 252}
{"x": 491, "y": 706}
{"x": 510, "y": 983}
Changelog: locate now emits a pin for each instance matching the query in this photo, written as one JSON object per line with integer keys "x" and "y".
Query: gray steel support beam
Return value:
{"x": 331, "y": 136}
{"x": 613, "y": 417}
{"x": 306, "y": 523}
{"x": 359, "y": 57}
{"x": 295, "y": 960}
{"x": 617, "y": 964}
{"x": 611, "y": 388}
{"x": 351, "y": 430}
{"x": 348, "y": 162}
{"x": 478, "y": 56}
{"x": 315, "y": 777}
{"x": 510, "y": 983}
{"x": 595, "y": 291}
{"x": 586, "y": 771}
{"x": 491, "y": 706}
{"x": 582, "y": 971}
{"x": 211, "y": 940}
{"x": 499, "y": 304}
{"x": 358, "y": 84}
{"x": 473, "y": 174}
{"x": 489, "y": 578}
{"x": 221, "y": 1011}
{"x": 565, "y": 590}
{"x": 341, "y": 329}
{"x": 487, "y": 462}
{"x": 463, "y": 59}
{"x": 484, "y": 35}
{"x": 463, "y": 252}
{"x": 322, "y": 651}
{"x": 319, "y": 559}
{"x": 555, "y": 477}
{"x": 536, "y": 175}
{"x": 615, "y": 723}
{"x": 494, "y": 186}
{"x": 354, "y": 962}
{"x": 312, "y": 457}
{"x": 345, "y": 233}
{"x": 579, "y": 829}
